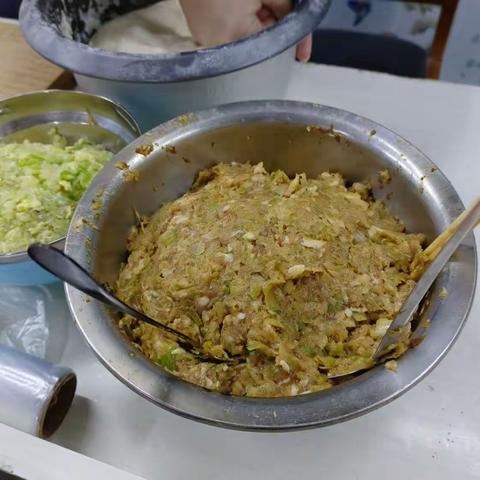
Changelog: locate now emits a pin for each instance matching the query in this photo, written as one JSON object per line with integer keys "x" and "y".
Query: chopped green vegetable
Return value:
{"x": 269, "y": 294}
{"x": 167, "y": 360}
{"x": 40, "y": 185}
{"x": 309, "y": 350}
{"x": 335, "y": 305}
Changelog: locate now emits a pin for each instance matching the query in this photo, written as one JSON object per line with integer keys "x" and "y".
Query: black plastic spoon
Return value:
{"x": 67, "y": 269}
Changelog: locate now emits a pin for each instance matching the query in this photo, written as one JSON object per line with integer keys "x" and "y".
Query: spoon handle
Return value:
{"x": 468, "y": 221}
{"x": 68, "y": 270}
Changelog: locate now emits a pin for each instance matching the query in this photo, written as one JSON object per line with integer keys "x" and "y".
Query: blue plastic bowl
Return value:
{"x": 23, "y": 271}
{"x": 75, "y": 115}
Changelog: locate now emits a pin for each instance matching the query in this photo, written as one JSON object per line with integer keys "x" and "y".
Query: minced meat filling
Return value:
{"x": 302, "y": 276}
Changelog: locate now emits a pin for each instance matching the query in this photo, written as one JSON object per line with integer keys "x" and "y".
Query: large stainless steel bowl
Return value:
{"x": 158, "y": 87}
{"x": 282, "y": 135}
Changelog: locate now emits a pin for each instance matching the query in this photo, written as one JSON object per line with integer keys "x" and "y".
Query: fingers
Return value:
{"x": 279, "y": 8}
{"x": 215, "y": 22}
{"x": 265, "y": 15}
{"x": 304, "y": 49}
{"x": 274, "y": 10}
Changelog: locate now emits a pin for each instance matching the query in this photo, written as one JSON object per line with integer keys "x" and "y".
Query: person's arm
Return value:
{"x": 215, "y": 22}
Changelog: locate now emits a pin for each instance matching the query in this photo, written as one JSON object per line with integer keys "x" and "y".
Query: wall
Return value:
{"x": 416, "y": 23}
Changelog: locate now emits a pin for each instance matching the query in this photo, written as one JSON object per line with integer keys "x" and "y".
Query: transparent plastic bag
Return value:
{"x": 34, "y": 319}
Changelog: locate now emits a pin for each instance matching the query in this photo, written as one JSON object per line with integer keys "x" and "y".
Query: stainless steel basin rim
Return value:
{"x": 41, "y": 22}
{"x": 59, "y": 107}
{"x": 438, "y": 200}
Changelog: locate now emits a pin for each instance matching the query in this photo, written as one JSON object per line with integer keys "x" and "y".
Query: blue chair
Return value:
{"x": 382, "y": 53}
{"x": 367, "y": 51}
{"x": 9, "y": 8}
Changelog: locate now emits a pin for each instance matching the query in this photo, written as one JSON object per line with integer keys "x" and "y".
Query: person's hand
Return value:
{"x": 215, "y": 22}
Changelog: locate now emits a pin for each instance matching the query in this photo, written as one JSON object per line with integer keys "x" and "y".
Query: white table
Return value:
{"x": 432, "y": 432}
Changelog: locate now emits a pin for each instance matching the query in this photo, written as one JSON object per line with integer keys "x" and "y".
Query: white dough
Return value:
{"x": 159, "y": 28}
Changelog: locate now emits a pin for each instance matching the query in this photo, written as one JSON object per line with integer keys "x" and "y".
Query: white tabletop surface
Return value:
{"x": 31, "y": 458}
{"x": 432, "y": 432}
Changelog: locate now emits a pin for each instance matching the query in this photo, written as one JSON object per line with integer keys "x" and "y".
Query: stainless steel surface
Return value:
{"x": 282, "y": 135}
{"x": 154, "y": 103}
{"x": 470, "y": 219}
{"x": 158, "y": 87}
{"x": 75, "y": 115}
{"x": 35, "y": 395}
{"x": 60, "y": 30}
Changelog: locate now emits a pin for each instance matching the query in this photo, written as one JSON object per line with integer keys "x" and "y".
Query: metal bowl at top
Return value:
{"x": 60, "y": 30}
{"x": 296, "y": 137}
{"x": 158, "y": 87}
{"x": 75, "y": 115}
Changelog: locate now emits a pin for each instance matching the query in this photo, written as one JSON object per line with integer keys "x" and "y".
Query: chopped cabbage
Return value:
{"x": 40, "y": 185}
